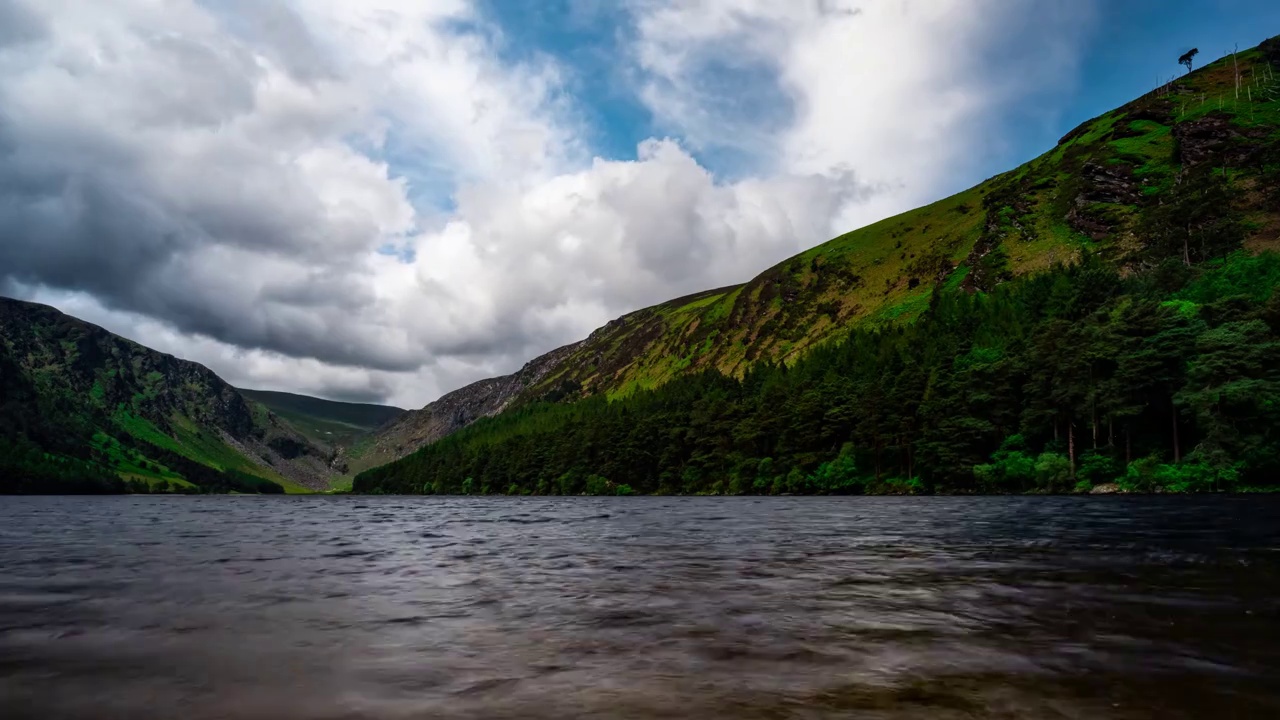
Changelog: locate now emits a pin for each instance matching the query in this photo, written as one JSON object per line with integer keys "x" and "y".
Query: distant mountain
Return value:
{"x": 84, "y": 410}
{"x": 1189, "y": 173}
{"x": 451, "y": 412}
{"x": 326, "y": 422}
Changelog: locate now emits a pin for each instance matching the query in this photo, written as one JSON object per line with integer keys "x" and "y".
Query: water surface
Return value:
{"x": 349, "y": 607}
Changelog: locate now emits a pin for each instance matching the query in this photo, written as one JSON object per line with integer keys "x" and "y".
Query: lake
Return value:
{"x": 387, "y": 607}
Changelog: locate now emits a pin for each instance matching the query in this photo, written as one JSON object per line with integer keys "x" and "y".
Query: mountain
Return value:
{"x": 325, "y": 422}
{"x": 453, "y": 411}
{"x": 84, "y": 410}
{"x": 1187, "y": 176}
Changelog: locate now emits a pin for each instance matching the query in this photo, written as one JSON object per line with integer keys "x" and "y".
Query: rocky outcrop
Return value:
{"x": 280, "y": 448}
{"x": 1214, "y": 138}
{"x": 456, "y": 410}
{"x": 1108, "y": 184}
{"x": 1202, "y": 138}
{"x": 1099, "y": 186}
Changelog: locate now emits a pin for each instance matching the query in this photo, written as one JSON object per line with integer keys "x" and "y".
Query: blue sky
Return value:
{"x": 1125, "y": 46}
{"x": 1134, "y": 42}
{"x": 388, "y": 199}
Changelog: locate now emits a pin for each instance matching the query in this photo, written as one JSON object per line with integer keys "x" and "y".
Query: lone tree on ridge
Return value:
{"x": 1188, "y": 57}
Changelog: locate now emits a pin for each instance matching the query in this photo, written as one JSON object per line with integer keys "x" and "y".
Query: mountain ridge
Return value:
{"x": 329, "y": 423}
{"x": 78, "y": 395}
{"x": 1098, "y": 191}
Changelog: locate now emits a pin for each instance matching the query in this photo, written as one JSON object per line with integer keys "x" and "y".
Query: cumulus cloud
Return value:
{"x": 899, "y": 90}
{"x": 365, "y": 201}
{"x": 543, "y": 264}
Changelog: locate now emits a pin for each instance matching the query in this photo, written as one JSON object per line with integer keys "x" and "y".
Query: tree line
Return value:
{"x": 1162, "y": 380}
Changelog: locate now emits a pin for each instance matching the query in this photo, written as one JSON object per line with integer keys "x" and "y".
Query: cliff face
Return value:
{"x": 88, "y": 384}
{"x": 457, "y": 409}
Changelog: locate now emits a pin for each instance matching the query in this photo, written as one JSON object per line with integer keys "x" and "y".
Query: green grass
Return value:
{"x": 201, "y": 445}
{"x": 909, "y": 308}
{"x": 955, "y": 279}
{"x": 324, "y": 431}
{"x": 327, "y": 422}
{"x": 132, "y": 465}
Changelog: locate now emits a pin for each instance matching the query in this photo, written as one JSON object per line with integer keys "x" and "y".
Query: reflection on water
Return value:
{"x": 347, "y": 607}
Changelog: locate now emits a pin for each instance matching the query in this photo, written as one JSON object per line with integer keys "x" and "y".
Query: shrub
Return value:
{"x": 1096, "y": 468}
{"x": 568, "y": 483}
{"x": 597, "y": 485}
{"x": 1150, "y": 474}
{"x": 1140, "y": 476}
{"x": 797, "y": 481}
{"x": 1011, "y": 468}
{"x": 1053, "y": 472}
{"x": 839, "y": 476}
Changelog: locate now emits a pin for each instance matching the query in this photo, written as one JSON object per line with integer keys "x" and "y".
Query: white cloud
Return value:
{"x": 221, "y": 180}
{"x": 898, "y": 90}
{"x": 544, "y": 266}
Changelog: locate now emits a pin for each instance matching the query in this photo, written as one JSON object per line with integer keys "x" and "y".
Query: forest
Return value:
{"x": 29, "y": 469}
{"x": 1071, "y": 379}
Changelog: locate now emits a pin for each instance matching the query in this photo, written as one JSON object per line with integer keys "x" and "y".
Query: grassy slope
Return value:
{"x": 325, "y": 421}
{"x": 1047, "y": 211}
{"x": 190, "y": 440}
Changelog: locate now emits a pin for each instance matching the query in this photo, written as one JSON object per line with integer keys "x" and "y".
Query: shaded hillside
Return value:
{"x": 82, "y": 405}
{"x": 326, "y": 422}
{"x": 1142, "y": 183}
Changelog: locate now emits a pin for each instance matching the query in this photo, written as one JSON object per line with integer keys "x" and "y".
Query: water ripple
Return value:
{"x": 340, "y": 607}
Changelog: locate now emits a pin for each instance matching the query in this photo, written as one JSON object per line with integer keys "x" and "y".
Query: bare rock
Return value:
{"x": 1214, "y": 138}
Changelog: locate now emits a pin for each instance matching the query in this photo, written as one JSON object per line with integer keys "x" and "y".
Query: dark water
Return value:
{"x": 342, "y": 607}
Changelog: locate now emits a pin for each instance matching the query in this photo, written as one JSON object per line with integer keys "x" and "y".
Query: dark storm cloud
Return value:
{"x": 18, "y": 24}
{"x": 151, "y": 171}
{"x": 93, "y": 230}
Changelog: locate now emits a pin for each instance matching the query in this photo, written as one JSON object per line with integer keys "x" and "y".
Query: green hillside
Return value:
{"x": 83, "y": 410}
{"x": 1100, "y": 192}
{"x": 1120, "y": 287}
{"x": 326, "y": 422}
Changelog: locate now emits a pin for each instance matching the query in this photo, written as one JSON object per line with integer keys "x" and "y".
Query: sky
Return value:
{"x": 384, "y": 200}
